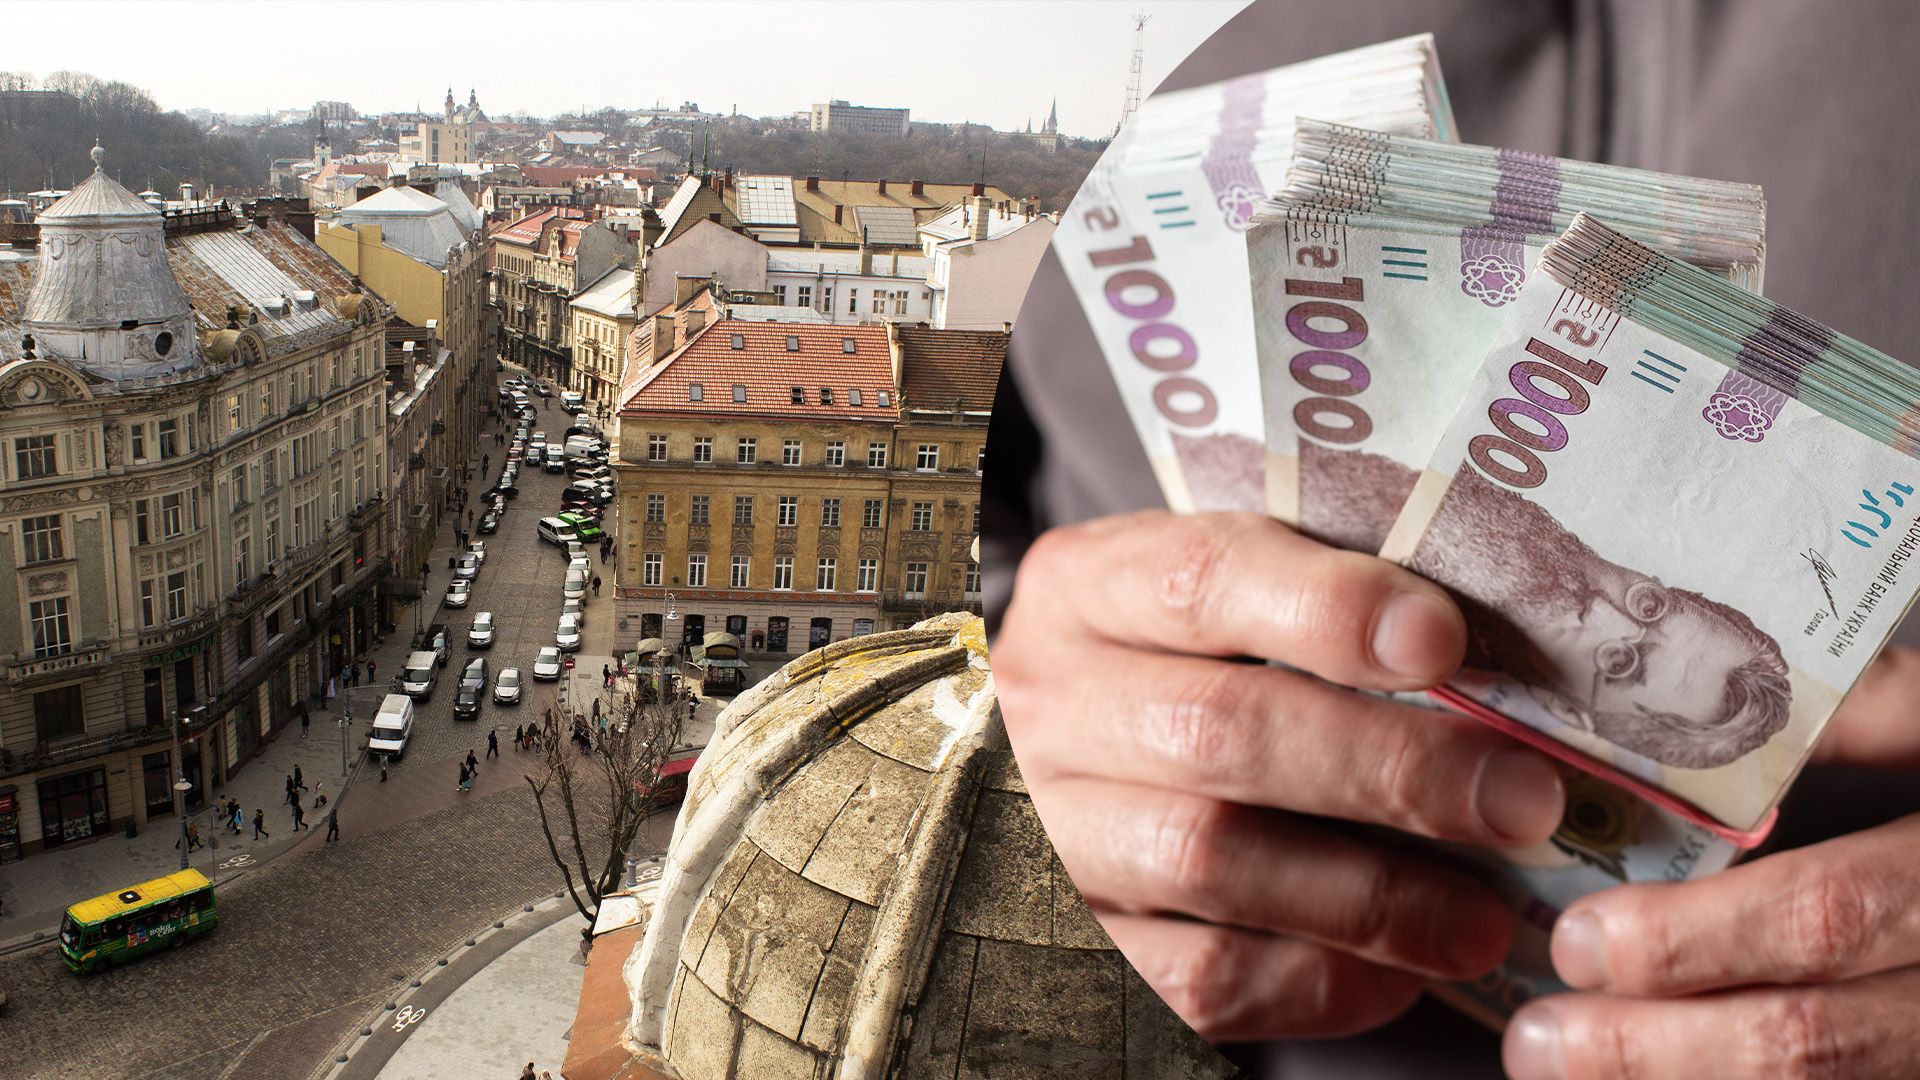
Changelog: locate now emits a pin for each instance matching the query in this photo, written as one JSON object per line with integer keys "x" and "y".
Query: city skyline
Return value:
{"x": 758, "y": 78}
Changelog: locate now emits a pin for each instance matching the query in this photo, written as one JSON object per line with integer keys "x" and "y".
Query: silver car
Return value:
{"x": 506, "y": 687}
{"x": 575, "y": 608}
{"x": 567, "y": 637}
{"x": 480, "y": 634}
{"x": 467, "y": 566}
{"x": 546, "y": 664}
{"x": 478, "y": 549}
{"x": 458, "y": 593}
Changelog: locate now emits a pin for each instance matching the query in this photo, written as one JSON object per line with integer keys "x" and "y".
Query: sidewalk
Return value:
{"x": 35, "y": 892}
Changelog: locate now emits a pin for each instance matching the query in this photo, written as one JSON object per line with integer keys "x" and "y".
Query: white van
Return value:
{"x": 416, "y": 679}
{"x": 391, "y": 725}
{"x": 579, "y": 446}
{"x": 554, "y": 531}
{"x": 572, "y": 400}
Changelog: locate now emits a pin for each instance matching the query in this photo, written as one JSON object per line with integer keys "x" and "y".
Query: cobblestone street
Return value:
{"x": 312, "y": 937}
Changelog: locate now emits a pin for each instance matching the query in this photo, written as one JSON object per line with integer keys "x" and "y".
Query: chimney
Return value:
{"x": 839, "y": 212}
{"x": 979, "y": 188}
{"x": 866, "y": 259}
{"x": 696, "y": 321}
{"x": 662, "y": 336}
{"x": 918, "y": 188}
{"x": 714, "y": 217}
{"x": 686, "y": 288}
{"x": 728, "y": 179}
{"x": 982, "y": 206}
{"x": 813, "y": 183}
{"x": 882, "y": 187}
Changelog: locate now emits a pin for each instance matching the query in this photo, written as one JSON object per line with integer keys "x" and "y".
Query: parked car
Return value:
{"x": 567, "y": 634}
{"x": 546, "y": 664}
{"x": 506, "y": 687}
{"x": 554, "y": 531}
{"x": 589, "y": 471}
{"x": 575, "y": 586}
{"x": 478, "y": 549}
{"x": 466, "y": 703}
{"x": 459, "y": 591}
{"x": 555, "y": 460}
{"x": 509, "y": 485}
{"x": 437, "y": 640}
{"x": 672, "y": 781}
{"x": 584, "y": 527}
{"x": 474, "y": 675}
{"x": 417, "y": 677}
{"x": 572, "y": 400}
{"x": 575, "y": 608}
{"x": 466, "y": 566}
{"x": 582, "y": 427}
{"x": 543, "y": 389}
{"x": 392, "y": 725}
{"x": 489, "y": 523}
{"x": 480, "y": 633}
{"x": 539, "y": 439}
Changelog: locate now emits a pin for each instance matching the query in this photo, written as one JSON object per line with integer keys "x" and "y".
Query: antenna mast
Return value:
{"x": 1132, "y": 103}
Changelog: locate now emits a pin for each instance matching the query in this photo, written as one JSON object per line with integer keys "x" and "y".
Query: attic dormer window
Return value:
{"x": 740, "y": 393}
{"x": 799, "y": 396}
{"x": 793, "y": 343}
{"x": 739, "y": 341}
{"x": 696, "y": 392}
{"x": 162, "y": 343}
{"x": 846, "y": 345}
{"x": 826, "y": 395}
{"x": 885, "y": 398}
{"x": 853, "y": 396}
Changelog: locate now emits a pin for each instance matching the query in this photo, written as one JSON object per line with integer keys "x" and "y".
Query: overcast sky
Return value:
{"x": 997, "y": 62}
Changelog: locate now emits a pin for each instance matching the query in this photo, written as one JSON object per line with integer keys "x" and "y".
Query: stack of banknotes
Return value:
{"x": 1678, "y": 517}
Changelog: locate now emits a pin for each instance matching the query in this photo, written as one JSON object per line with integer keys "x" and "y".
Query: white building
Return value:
{"x": 982, "y": 255}
{"x": 852, "y": 286}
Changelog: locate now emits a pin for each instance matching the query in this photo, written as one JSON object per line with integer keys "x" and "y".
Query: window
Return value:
{"x": 780, "y": 295}
{"x": 973, "y": 579}
{"x": 853, "y": 397}
{"x": 172, "y": 518}
{"x": 743, "y": 509}
{"x": 916, "y": 581}
{"x": 830, "y": 513}
{"x": 697, "y": 570}
{"x": 797, "y": 396}
{"x": 57, "y": 713}
{"x": 656, "y": 507}
{"x": 40, "y": 539}
{"x": 980, "y": 461}
{"x": 876, "y": 455}
{"x": 738, "y": 341}
{"x": 870, "y": 514}
{"x": 739, "y": 393}
{"x": 237, "y": 486}
{"x": 976, "y": 519}
{"x": 789, "y": 510}
{"x": 793, "y": 343}
{"x": 650, "y": 568}
{"x": 868, "y": 576}
{"x": 695, "y": 392}
{"x": 747, "y": 451}
{"x": 242, "y": 559}
{"x": 149, "y": 603}
{"x": 826, "y": 395}
{"x": 270, "y": 471}
{"x": 928, "y": 459}
{"x": 176, "y": 597}
{"x": 737, "y": 578}
{"x": 790, "y": 452}
{"x": 51, "y": 634}
{"x": 33, "y": 457}
{"x": 136, "y": 442}
{"x": 836, "y": 453}
{"x": 846, "y": 343}
{"x": 853, "y": 307}
{"x": 826, "y": 300}
{"x": 922, "y": 517}
{"x": 697, "y": 513}
{"x": 805, "y": 299}
{"x": 233, "y": 413}
{"x": 900, "y": 302}
{"x": 273, "y": 540}
{"x": 824, "y": 577}
{"x": 703, "y": 448}
{"x": 885, "y": 399}
{"x": 656, "y": 447}
{"x": 783, "y": 571}
{"x": 879, "y": 303}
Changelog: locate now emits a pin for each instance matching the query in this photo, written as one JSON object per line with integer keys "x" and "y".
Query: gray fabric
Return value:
{"x": 1812, "y": 100}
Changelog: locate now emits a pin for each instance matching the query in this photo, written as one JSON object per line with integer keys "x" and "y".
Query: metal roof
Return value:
{"x": 892, "y": 226}
{"x": 410, "y": 221}
{"x": 611, "y": 296}
{"x": 766, "y": 200}
{"x": 100, "y": 200}
{"x": 682, "y": 198}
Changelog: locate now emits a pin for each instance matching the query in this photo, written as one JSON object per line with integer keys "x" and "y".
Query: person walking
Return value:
{"x": 606, "y": 676}
{"x": 596, "y": 584}
{"x": 299, "y": 818}
{"x": 260, "y": 824}
{"x": 519, "y": 738}
{"x": 493, "y": 743}
{"x": 306, "y": 717}
{"x": 527, "y": 1073}
{"x": 333, "y": 825}
{"x": 466, "y": 778}
{"x": 370, "y": 669}
{"x": 299, "y": 781}
{"x": 291, "y": 795}
{"x": 473, "y": 763}
{"x": 383, "y": 768}
{"x": 193, "y": 836}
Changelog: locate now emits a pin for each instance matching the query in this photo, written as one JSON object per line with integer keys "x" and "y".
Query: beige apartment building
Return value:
{"x": 190, "y": 450}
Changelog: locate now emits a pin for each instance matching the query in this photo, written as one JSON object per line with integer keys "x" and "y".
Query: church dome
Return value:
{"x": 104, "y": 298}
{"x": 858, "y": 887}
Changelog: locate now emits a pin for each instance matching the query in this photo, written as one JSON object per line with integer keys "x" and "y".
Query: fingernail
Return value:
{"x": 1417, "y": 636}
{"x": 1531, "y": 1050}
{"x": 1519, "y": 796}
{"x": 1580, "y": 951}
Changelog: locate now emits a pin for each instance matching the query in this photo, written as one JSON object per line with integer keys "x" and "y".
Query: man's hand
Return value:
{"x": 1801, "y": 964}
{"x": 1181, "y": 788}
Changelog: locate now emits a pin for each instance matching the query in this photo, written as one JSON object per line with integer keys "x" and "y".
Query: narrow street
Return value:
{"x": 313, "y": 936}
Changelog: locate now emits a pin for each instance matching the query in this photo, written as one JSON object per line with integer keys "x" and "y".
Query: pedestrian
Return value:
{"x": 596, "y": 584}
{"x": 383, "y": 767}
{"x": 299, "y": 781}
{"x": 333, "y": 825}
{"x": 527, "y": 1073}
{"x": 493, "y": 743}
{"x": 306, "y": 718}
{"x": 456, "y": 534}
{"x": 299, "y": 817}
{"x": 466, "y": 778}
{"x": 519, "y": 737}
{"x": 485, "y": 460}
{"x": 606, "y": 675}
{"x": 596, "y": 711}
{"x": 473, "y": 763}
{"x": 260, "y": 824}
{"x": 319, "y": 794}
{"x": 693, "y": 709}
{"x": 290, "y": 795}
{"x": 370, "y": 669}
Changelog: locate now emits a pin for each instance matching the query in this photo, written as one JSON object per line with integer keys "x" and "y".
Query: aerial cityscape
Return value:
{"x": 393, "y": 502}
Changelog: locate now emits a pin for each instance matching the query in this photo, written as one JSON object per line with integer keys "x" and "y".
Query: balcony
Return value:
{"x": 57, "y": 752}
{"x": 181, "y": 632}
{"x": 26, "y": 668}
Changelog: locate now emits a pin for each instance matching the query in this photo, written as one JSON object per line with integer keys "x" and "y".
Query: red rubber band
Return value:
{"x": 1546, "y": 744}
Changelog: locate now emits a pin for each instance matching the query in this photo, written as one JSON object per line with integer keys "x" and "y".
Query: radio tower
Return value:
{"x": 1133, "y": 69}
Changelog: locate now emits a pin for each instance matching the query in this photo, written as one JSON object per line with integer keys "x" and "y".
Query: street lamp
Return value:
{"x": 346, "y": 721}
{"x": 180, "y": 789}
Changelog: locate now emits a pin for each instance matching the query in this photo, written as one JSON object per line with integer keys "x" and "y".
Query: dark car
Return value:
{"x": 466, "y": 703}
{"x": 489, "y": 524}
{"x": 508, "y": 485}
{"x": 436, "y": 639}
{"x": 583, "y": 429}
{"x": 474, "y": 676}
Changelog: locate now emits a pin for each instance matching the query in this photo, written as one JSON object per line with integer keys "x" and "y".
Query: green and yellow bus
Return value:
{"x": 110, "y": 930}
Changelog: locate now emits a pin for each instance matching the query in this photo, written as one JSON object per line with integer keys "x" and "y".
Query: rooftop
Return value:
{"x": 611, "y": 296}
{"x": 254, "y": 267}
{"x": 942, "y": 369}
{"x": 411, "y": 221}
{"x": 836, "y": 372}
{"x": 841, "y": 261}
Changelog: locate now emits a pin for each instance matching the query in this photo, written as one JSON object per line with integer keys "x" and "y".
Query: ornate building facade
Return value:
{"x": 192, "y": 427}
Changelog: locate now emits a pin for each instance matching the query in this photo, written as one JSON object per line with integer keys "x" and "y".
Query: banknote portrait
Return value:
{"x": 1660, "y": 671}
{"x": 1349, "y": 498}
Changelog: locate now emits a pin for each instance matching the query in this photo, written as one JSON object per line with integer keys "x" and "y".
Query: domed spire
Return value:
{"x": 98, "y": 154}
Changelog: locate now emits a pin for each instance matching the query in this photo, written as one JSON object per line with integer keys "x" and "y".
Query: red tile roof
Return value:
{"x": 770, "y": 372}
{"x": 942, "y": 367}
{"x": 561, "y": 175}
{"x": 527, "y": 231}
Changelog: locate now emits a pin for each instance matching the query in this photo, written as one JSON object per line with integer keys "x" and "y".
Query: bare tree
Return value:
{"x": 596, "y": 787}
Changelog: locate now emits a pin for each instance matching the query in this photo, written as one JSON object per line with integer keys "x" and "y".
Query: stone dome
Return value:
{"x": 858, "y": 887}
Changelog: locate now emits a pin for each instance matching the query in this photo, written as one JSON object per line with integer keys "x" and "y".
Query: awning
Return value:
{"x": 723, "y": 663}
{"x": 651, "y": 645}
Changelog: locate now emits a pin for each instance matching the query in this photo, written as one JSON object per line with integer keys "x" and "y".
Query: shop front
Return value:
{"x": 9, "y": 824}
{"x": 73, "y": 807}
